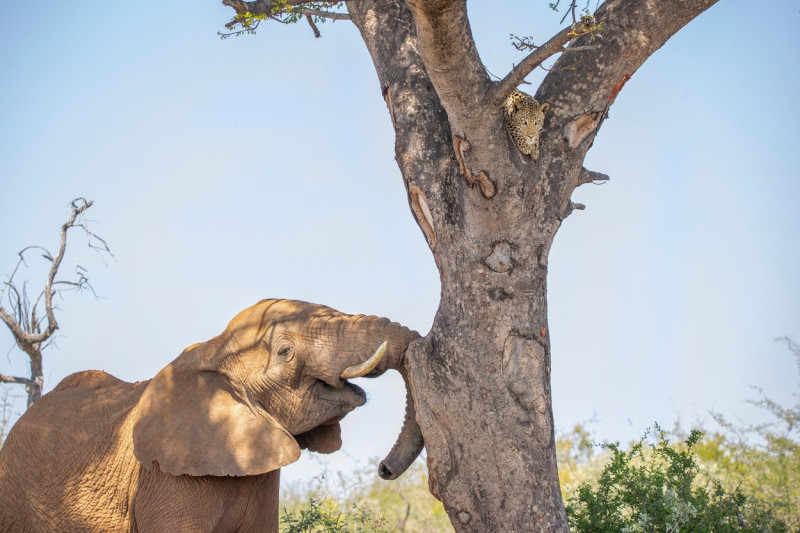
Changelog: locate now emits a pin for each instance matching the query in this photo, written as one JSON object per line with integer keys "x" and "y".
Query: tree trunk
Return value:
{"x": 34, "y": 388}
{"x": 481, "y": 378}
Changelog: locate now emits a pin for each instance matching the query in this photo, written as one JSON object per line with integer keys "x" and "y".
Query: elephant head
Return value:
{"x": 275, "y": 381}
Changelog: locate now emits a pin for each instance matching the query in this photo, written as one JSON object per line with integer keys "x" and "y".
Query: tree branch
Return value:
{"x": 590, "y": 176}
{"x": 324, "y": 14}
{"x": 310, "y": 20}
{"x": 572, "y": 206}
{"x": 260, "y": 7}
{"x": 12, "y": 379}
{"x": 16, "y": 330}
{"x": 581, "y": 88}
{"x": 250, "y": 14}
{"x": 424, "y": 142}
{"x": 513, "y": 79}
{"x": 451, "y": 59}
{"x": 79, "y": 206}
{"x": 631, "y": 32}
{"x": 270, "y": 8}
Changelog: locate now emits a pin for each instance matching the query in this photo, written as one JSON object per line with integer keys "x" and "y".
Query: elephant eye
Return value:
{"x": 285, "y": 352}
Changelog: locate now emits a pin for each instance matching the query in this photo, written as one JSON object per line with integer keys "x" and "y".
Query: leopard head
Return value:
{"x": 524, "y": 120}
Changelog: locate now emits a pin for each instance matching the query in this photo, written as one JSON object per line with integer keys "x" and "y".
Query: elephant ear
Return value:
{"x": 321, "y": 439}
{"x": 193, "y": 422}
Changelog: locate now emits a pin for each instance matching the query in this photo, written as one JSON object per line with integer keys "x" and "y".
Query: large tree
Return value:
{"x": 489, "y": 214}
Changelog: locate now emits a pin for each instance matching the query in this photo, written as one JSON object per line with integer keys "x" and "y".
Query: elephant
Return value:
{"x": 199, "y": 447}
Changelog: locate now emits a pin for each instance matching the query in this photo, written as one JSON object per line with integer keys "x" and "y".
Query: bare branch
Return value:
{"x": 573, "y": 6}
{"x": 314, "y": 28}
{"x": 570, "y": 10}
{"x": 16, "y": 330}
{"x": 554, "y": 46}
{"x": 590, "y": 176}
{"x": 12, "y": 379}
{"x": 79, "y": 205}
{"x": 793, "y": 347}
{"x": 572, "y": 206}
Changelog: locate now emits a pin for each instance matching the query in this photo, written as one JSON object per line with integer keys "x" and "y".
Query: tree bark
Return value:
{"x": 481, "y": 378}
{"x": 481, "y": 381}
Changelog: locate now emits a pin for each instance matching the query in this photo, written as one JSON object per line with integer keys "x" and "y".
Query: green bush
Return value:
{"x": 324, "y": 516}
{"x": 653, "y": 487}
{"x": 362, "y": 502}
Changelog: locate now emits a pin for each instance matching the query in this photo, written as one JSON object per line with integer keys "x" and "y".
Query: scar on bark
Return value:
{"x": 577, "y": 130}
{"x": 616, "y": 89}
{"x": 488, "y": 187}
{"x": 387, "y": 96}
{"x": 433, "y": 486}
{"x": 419, "y": 205}
{"x": 500, "y": 260}
{"x": 525, "y": 372}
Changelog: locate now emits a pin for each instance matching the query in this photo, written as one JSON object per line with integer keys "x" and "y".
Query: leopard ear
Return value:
{"x": 544, "y": 107}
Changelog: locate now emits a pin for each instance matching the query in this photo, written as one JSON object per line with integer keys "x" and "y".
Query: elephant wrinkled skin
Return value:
{"x": 199, "y": 447}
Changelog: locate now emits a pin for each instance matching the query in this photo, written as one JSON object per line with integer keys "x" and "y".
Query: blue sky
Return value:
{"x": 224, "y": 172}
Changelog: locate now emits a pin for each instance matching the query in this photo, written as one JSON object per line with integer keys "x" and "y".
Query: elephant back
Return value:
{"x": 58, "y": 449}
{"x": 89, "y": 378}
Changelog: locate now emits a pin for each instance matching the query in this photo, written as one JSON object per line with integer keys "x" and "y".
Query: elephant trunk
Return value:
{"x": 409, "y": 443}
{"x": 359, "y": 337}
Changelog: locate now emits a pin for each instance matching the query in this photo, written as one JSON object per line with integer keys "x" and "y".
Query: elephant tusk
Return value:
{"x": 366, "y": 367}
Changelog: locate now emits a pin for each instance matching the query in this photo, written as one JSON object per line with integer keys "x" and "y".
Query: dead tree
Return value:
{"x": 33, "y": 322}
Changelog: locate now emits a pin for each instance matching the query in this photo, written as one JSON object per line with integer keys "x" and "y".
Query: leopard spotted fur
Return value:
{"x": 524, "y": 118}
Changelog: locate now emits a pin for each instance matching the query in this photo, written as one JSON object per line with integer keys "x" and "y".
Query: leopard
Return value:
{"x": 524, "y": 118}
